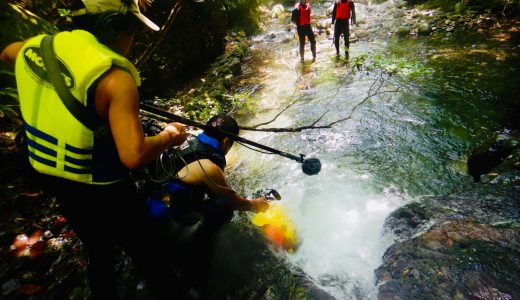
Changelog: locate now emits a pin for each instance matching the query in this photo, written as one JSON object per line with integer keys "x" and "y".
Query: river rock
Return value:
{"x": 424, "y": 28}
{"x": 399, "y": 13}
{"x": 403, "y": 30}
{"x": 460, "y": 7}
{"x": 362, "y": 33}
{"x": 364, "y": 2}
{"x": 277, "y": 11}
{"x": 454, "y": 247}
{"x": 245, "y": 267}
{"x": 400, "y": 3}
{"x": 322, "y": 25}
{"x": 362, "y": 13}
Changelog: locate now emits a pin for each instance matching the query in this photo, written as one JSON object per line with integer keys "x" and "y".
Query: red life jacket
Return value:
{"x": 343, "y": 10}
{"x": 305, "y": 15}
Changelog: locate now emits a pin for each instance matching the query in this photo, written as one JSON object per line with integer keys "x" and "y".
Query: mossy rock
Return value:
{"x": 459, "y": 8}
{"x": 403, "y": 31}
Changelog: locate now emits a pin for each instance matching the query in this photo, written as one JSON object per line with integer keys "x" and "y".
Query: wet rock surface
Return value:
{"x": 455, "y": 247}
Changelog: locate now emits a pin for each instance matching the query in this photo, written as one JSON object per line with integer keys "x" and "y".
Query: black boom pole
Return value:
{"x": 310, "y": 166}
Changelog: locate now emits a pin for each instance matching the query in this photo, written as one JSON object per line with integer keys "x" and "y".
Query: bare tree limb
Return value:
{"x": 301, "y": 97}
{"x": 159, "y": 37}
{"x": 313, "y": 125}
{"x": 340, "y": 85}
{"x": 285, "y": 108}
{"x": 279, "y": 113}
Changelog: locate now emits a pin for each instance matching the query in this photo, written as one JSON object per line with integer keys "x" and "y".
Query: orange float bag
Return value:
{"x": 277, "y": 227}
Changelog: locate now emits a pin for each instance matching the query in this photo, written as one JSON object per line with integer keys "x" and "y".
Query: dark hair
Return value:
{"x": 108, "y": 26}
{"x": 222, "y": 122}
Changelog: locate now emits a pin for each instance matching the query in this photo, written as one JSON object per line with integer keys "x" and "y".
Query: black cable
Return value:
{"x": 254, "y": 149}
{"x": 310, "y": 166}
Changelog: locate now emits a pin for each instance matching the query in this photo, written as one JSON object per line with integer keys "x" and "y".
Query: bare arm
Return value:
{"x": 211, "y": 176}
{"x": 9, "y": 54}
{"x": 117, "y": 101}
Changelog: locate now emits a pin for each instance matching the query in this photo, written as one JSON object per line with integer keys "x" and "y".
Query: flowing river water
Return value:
{"x": 411, "y": 138}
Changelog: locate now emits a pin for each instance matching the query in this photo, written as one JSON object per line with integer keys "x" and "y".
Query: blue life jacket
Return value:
{"x": 195, "y": 148}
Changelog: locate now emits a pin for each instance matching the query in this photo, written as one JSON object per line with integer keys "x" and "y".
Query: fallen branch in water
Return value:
{"x": 314, "y": 125}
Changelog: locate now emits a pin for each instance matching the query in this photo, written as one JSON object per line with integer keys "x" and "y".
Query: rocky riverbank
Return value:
{"x": 454, "y": 247}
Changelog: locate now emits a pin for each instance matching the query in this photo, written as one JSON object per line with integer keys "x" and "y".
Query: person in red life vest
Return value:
{"x": 341, "y": 13}
{"x": 302, "y": 18}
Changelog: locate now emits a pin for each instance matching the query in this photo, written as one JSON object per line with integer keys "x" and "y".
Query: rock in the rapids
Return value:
{"x": 454, "y": 247}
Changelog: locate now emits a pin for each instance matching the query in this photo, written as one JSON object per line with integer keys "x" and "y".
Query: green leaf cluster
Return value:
{"x": 9, "y": 103}
{"x": 214, "y": 94}
{"x": 392, "y": 65}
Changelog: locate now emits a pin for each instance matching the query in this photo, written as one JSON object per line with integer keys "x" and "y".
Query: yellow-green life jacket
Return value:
{"x": 59, "y": 145}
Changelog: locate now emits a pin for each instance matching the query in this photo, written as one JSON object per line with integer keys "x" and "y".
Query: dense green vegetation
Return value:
{"x": 497, "y": 7}
{"x": 200, "y": 33}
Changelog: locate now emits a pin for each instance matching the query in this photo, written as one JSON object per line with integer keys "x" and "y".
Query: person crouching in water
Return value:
{"x": 342, "y": 12}
{"x": 199, "y": 196}
{"x": 304, "y": 29}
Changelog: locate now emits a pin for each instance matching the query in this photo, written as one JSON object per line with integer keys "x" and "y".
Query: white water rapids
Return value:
{"x": 340, "y": 212}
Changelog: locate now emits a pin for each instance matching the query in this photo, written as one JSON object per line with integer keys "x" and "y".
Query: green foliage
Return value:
{"x": 444, "y": 5}
{"x": 391, "y": 65}
{"x": 240, "y": 102}
{"x": 214, "y": 95}
{"x": 9, "y": 103}
{"x": 18, "y": 24}
{"x": 505, "y": 7}
{"x": 202, "y": 107}
{"x": 65, "y": 14}
{"x": 243, "y": 14}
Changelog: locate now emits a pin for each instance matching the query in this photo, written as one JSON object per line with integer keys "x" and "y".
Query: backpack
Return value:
{"x": 295, "y": 15}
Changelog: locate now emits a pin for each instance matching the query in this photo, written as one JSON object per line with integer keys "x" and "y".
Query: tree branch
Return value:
{"x": 158, "y": 39}
{"x": 314, "y": 125}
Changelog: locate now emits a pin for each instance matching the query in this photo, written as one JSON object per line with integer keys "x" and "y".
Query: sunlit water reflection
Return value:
{"x": 394, "y": 147}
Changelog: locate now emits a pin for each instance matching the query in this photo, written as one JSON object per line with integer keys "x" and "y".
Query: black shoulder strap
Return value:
{"x": 80, "y": 112}
{"x": 194, "y": 150}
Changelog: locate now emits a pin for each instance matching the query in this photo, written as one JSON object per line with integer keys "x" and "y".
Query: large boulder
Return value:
{"x": 454, "y": 247}
{"x": 245, "y": 266}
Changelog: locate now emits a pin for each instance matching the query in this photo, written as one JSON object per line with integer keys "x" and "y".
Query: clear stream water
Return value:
{"x": 396, "y": 147}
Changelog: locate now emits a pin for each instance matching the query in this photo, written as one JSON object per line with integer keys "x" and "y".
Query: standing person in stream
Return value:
{"x": 302, "y": 17}
{"x": 342, "y": 12}
{"x": 88, "y": 170}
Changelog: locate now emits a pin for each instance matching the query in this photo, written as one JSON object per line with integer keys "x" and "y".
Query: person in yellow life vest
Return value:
{"x": 342, "y": 12}
{"x": 88, "y": 170}
{"x": 302, "y": 17}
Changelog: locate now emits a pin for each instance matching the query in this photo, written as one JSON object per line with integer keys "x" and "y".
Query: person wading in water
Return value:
{"x": 342, "y": 12}
{"x": 301, "y": 16}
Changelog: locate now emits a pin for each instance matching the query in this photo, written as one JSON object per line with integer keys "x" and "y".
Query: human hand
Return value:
{"x": 177, "y": 132}
{"x": 259, "y": 204}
